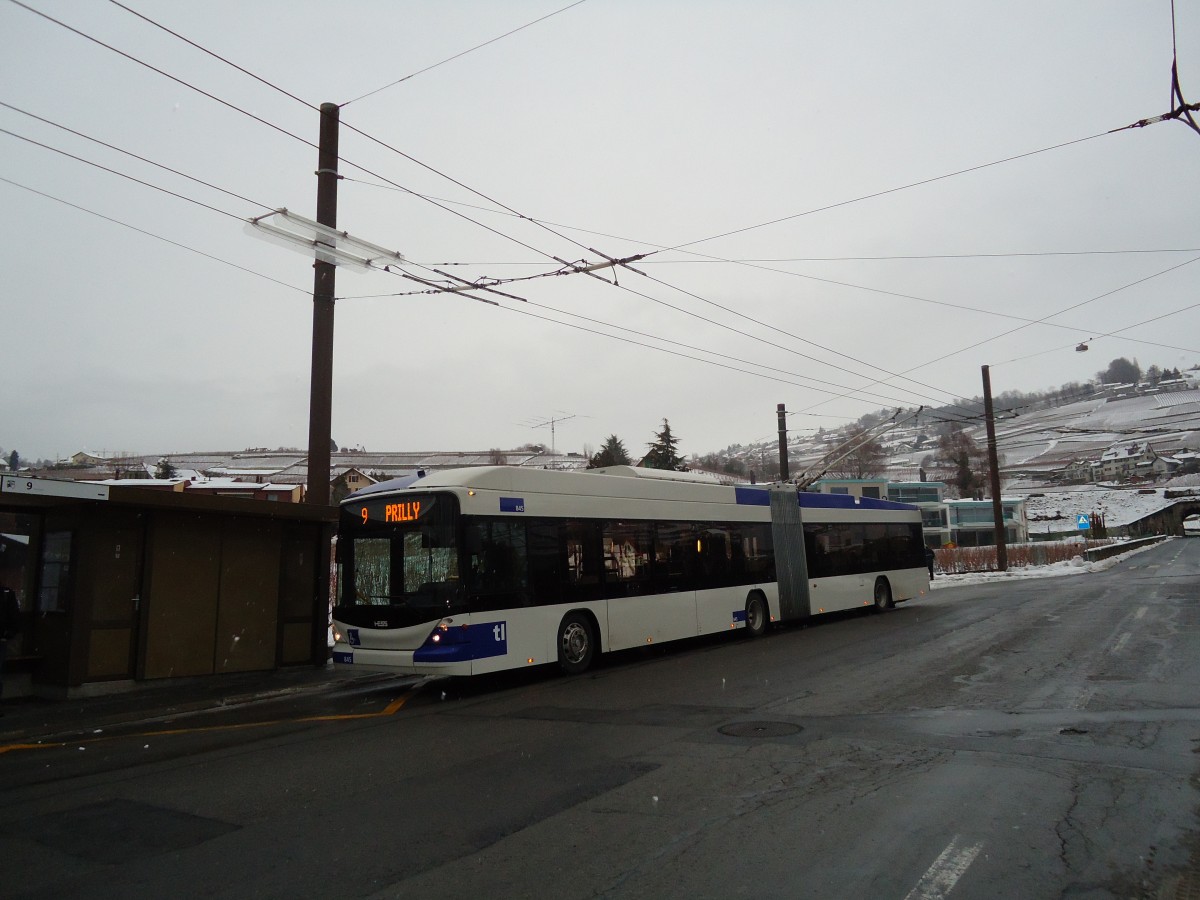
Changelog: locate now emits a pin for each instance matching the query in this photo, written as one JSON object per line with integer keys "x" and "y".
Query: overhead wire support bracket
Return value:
{"x": 326, "y": 244}
{"x": 611, "y": 263}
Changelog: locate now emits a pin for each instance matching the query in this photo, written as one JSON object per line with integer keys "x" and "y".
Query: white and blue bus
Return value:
{"x": 468, "y": 571}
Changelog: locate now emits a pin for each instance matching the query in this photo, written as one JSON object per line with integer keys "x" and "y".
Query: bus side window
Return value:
{"x": 674, "y": 556}
{"x": 547, "y": 562}
{"x": 584, "y": 560}
{"x": 497, "y": 560}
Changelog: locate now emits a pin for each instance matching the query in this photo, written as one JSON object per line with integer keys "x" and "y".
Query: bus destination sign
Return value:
{"x": 394, "y": 512}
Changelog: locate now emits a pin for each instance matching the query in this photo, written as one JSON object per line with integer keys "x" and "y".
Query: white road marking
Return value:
{"x": 1121, "y": 642}
{"x": 941, "y": 877}
{"x": 1141, "y": 612}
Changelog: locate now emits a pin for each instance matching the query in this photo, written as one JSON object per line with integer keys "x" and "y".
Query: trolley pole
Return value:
{"x": 320, "y": 406}
{"x": 781, "y": 413}
{"x": 994, "y": 466}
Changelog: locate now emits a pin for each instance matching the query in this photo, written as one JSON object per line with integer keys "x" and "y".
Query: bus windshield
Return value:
{"x": 402, "y": 556}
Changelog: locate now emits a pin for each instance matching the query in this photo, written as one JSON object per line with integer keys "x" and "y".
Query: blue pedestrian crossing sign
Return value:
{"x": 1083, "y": 521}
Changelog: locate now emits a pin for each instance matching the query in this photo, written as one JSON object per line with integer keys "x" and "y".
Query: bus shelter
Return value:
{"x": 127, "y": 584}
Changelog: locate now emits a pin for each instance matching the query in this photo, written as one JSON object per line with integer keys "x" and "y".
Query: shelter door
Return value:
{"x": 109, "y": 585}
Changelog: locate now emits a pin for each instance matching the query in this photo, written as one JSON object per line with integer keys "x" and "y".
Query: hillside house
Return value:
{"x": 1124, "y": 461}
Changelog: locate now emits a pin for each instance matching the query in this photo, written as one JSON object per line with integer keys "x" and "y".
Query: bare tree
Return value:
{"x": 866, "y": 456}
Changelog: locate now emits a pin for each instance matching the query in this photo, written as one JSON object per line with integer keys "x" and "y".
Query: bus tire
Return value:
{"x": 883, "y": 595}
{"x": 576, "y": 643}
{"x": 757, "y": 615}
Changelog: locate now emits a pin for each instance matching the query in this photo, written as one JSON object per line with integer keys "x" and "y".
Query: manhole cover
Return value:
{"x": 759, "y": 729}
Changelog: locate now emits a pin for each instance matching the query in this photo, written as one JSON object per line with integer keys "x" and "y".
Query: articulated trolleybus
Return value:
{"x": 469, "y": 571}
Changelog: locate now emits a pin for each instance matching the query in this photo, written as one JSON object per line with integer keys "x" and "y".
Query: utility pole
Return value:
{"x": 320, "y": 404}
{"x": 781, "y": 415}
{"x": 994, "y": 466}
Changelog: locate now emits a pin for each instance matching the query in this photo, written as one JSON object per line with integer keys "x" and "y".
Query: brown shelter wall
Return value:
{"x": 162, "y": 585}
{"x": 297, "y": 580}
{"x": 248, "y": 604}
{"x": 184, "y": 576}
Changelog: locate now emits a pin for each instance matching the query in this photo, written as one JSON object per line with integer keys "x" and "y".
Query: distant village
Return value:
{"x": 1136, "y": 438}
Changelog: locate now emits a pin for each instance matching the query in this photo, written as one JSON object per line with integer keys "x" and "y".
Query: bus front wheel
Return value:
{"x": 576, "y": 644}
{"x": 757, "y": 617}
{"x": 883, "y": 595}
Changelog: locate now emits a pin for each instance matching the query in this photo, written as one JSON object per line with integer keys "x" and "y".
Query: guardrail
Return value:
{"x": 1099, "y": 553}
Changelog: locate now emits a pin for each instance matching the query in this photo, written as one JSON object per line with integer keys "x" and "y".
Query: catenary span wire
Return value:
{"x": 756, "y": 265}
{"x": 946, "y": 303}
{"x": 564, "y": 237}
{"x": 306, "y": 142}
{"x": 463, "y": 53}
{"x": 157, "y": 237}
{"x": 894, "y": 190}
{"x": 757, "y": 338}
{"x": 491, "y": 200}
{"x": 351, "y": 163}
{"x": 312, "y": 106}
{"x": 478, "y": 193}
{"x": 709, "y": 259}
{"x": 159, "y": 71}
{"x": 1037, "y": 322}
{"x": 760, "y": 339}
{"x": 626, "y": 340}
{"x": 1060, "y": 312}
{"x": 216, "y": 56}
{"x": 487, "y": 282}
{"x": 459, "y": 183}
{"x": 135, "y": 156}
{"x": 434, "y": 288}
{"x": 1109, "y": 334}
{"x": 120, "y": 174}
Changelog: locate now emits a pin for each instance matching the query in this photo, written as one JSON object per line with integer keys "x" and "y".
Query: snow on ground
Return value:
{"x": 1077, "y": 566}
{"x": 1055, "y": 511}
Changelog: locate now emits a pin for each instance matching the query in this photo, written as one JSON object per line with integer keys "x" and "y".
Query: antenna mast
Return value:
{"x": 552, "y": 422}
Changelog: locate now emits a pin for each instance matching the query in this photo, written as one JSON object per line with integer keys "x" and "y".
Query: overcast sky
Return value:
{"x": 772, "y": 153}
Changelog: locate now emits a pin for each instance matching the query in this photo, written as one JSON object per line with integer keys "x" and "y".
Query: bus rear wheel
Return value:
{"x": 883, "y": 595}
{"x": 576, "y": 644}
{"x": 757, "y": 617}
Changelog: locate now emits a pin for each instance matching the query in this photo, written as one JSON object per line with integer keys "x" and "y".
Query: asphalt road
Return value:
{"x": 1023, "y": 738}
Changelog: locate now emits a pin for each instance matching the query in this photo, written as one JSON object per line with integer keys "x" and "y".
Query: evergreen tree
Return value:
{"x": 1121, "y": 371}
{"x": 664, "y": 451}
{"x": 14, "y": 461}
{"x": 339, "y": 489}
{"x": 611, "y": 453}
{"x": 165, "y": 469}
